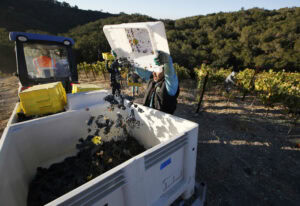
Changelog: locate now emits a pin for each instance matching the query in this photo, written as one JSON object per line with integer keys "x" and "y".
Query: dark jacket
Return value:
{"x": 162, "y": 100}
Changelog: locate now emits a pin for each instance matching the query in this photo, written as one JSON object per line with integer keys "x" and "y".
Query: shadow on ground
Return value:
{"x": 244, "y": 161}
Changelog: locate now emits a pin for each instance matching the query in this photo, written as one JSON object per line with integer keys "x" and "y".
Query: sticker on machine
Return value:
{"x": 165, "y": 163}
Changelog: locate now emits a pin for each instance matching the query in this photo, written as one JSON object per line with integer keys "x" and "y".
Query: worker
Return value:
{"x": 162, "y": 88}
{"x": 230, "y": 81}
{"x": 44, "y": 64}
{"x": 62, "y": 64}
{"x": 115, "y": 75}
{"x": 133, "y": 77}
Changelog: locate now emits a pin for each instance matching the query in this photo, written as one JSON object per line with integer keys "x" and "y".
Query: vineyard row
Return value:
{"x": 269, "y": 86}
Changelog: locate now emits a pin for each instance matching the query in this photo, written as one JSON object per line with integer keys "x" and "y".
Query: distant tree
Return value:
{"x": 65, "y": 4}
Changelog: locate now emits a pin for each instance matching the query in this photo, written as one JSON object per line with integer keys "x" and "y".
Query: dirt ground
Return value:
{"x": 8, "y": 98}
{"x": 244, "y": 153}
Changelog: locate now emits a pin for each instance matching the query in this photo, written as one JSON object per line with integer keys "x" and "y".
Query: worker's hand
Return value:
{"x": 162, "y": 58}
{"x": 114, "y": 53}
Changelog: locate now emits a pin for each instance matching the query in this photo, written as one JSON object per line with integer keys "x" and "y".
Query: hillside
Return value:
{"x": 45, "y": 15}
{"x": 254, "y": 38}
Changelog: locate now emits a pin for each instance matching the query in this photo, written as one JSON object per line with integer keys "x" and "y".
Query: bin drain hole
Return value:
{"x": 193, "y": 148}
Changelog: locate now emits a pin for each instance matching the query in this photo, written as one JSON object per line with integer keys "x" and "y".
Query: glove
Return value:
{"x": 165, "y": 59}
{"x": 114, "y": 53}
{"x": 161, "y": 59}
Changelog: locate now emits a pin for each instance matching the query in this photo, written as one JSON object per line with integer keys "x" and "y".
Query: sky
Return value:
{"x": 175, "y": 9}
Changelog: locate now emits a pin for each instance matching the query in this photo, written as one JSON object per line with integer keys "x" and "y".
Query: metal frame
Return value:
{"x": 199, "y": 197}
{"x": 21, "y": 63}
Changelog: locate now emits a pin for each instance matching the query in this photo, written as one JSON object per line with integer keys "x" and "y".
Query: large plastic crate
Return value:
{"x": 84, "y": 88}
{"x": 43, "y": 99}
{"x": 158, "y": 176}
{"x": 138, "y": 42}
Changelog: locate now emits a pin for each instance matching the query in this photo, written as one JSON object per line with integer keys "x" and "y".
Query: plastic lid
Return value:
{"x": 138, "y": 42}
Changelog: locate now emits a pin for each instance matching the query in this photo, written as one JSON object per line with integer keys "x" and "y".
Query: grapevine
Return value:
{"x": 270, "y": 87}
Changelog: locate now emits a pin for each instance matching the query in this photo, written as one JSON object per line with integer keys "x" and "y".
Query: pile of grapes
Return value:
{"x": 94, "y": 158}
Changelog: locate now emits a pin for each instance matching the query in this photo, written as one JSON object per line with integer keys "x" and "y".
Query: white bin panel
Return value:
{"x": 138, "y": 42}
{"x": 100, "y": 191}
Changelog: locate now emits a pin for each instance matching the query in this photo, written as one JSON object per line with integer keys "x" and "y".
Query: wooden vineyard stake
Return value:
{"x": 85, "y": 72}
{"x": 202, "y": 92}
{"x": 251, "y": 84}
{"x": 93, "y": 73}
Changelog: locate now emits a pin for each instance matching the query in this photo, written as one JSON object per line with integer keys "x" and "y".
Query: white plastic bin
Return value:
{"x": 158, "y": 176}
{"x": 138, "y": 42}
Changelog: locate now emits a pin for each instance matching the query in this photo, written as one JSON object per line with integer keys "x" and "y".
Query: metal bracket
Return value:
{"x": 198, "y": 199}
